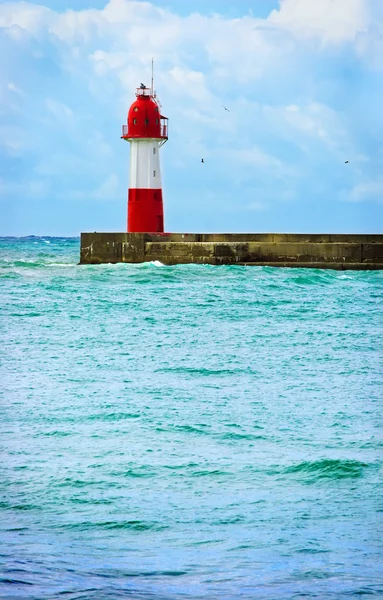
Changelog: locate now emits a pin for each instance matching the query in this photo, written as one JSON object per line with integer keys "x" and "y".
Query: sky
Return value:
{"x": 302, "y": 80}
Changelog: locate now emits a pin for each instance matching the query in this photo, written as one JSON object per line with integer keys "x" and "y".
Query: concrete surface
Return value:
{"x": 324, "y": 251}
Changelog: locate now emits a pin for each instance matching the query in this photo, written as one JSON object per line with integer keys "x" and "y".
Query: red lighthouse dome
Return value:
{"x": 144, "y": 118}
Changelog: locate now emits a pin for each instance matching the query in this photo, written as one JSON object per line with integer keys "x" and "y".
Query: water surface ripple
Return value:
{"x": 189, "y": 432}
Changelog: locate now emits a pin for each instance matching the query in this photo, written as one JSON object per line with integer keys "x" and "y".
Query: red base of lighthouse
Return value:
{"x": 145, "y": 211}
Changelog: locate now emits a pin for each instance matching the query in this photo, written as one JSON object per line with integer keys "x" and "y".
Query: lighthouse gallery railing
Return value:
{"x": 163, "y": 130}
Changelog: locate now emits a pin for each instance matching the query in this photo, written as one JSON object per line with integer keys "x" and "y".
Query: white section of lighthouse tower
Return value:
{"x": 145, "y": 171}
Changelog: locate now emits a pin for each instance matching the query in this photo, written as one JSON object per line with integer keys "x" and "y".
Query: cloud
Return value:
{"x": 11, "y": 86}
{"x": 254, "y": 157}
{"x": 255, "y": 206}
{"x": 60, "y": 111}
{"x": 366, "y": 190}
{"x": 329, "y": 21}
{"x": 107, "y": 189}
{"x": 28, "y": 16}
{"x": 33, "y": 189}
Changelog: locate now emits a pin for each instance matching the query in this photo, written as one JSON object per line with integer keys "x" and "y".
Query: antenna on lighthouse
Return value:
{"x": 152, "y": 78}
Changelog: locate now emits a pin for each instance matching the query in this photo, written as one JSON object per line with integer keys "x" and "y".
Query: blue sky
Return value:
{"x": 302, "y": 79}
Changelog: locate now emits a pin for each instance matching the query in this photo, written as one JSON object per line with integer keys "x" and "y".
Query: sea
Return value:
{"x": 188, "y": 432}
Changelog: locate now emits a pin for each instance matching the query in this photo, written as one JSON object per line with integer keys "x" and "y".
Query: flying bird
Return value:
{"x": 225, "y": 108}
{"x": 346, "y": 162}
{"x": 202, "y": 160}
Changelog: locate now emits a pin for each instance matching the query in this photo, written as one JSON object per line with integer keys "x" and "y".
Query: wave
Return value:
{"x": 55, "y": 433}
{"x": 135, "y": 525}
{"x": 31, "y": 264}
{"x": 9, "y": 506}
{"x": 181, "y": 467}
{"x": 156, "y": 263}
{"x": 205, "y": 372}
{"x": 233, "y": 435}
{"x": 138, "y": 472}
{"x": 209, "y": 473}
{"x": 188, "y": 429}
{"x": 34, "y": 264}
{"x": 12, "y": 581}
{"x": 77, "y": 483}
{"x": 328, "y": 468}
{"x": 113, "y": 416}
{"x": 313, "y": 277}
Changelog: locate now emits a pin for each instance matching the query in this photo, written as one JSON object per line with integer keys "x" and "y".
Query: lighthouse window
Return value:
{"x": 135, "y": 108}
{"x": 156, "y": 121}
{"x": 154, "y": 173}
{"x": 146, "y": 121}
{"x": 135, "y": 121}
{"x": 154, "y": 150}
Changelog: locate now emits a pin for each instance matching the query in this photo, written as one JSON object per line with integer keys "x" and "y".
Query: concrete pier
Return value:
{"x": 323, "y": 251}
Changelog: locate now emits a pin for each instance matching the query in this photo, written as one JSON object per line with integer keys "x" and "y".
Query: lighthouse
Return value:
{"x": 147, "y": 131}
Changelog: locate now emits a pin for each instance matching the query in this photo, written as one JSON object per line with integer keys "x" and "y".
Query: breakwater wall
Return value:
{"x": 324, "y": 251}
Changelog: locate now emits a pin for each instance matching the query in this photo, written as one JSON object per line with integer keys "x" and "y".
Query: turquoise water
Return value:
{"x": 188, "y": 432}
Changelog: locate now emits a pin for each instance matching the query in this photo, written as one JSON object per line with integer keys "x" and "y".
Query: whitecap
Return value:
{"x": 58, "y": 264}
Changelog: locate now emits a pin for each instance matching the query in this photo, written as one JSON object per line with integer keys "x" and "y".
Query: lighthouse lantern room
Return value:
{"x": 147, "y": 131}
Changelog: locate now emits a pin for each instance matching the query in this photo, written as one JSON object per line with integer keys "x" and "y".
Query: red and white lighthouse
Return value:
{"x": 147, "y": 131}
